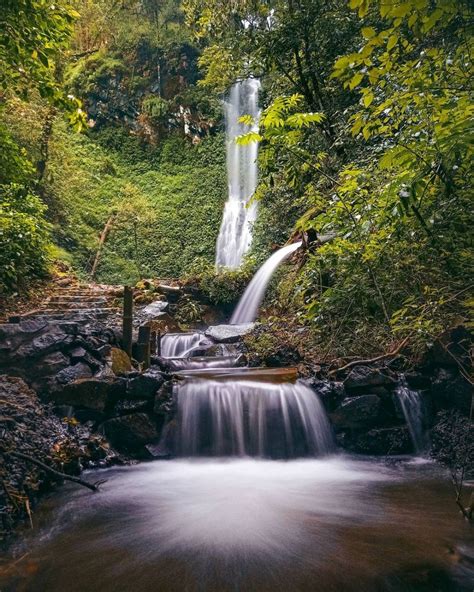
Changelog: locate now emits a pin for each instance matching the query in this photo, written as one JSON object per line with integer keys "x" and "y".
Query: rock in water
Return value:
{"x": 228, "y": 333}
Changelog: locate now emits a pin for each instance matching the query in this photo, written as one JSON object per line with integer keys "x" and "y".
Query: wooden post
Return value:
{"x": 153, "y": 343}
{"x": 143, "y": 346}
{"x": 127, "y": 325}
{"x": 158, "y": 343}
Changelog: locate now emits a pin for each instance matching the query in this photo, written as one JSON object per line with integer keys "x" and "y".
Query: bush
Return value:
{"x": 24, "y": 237}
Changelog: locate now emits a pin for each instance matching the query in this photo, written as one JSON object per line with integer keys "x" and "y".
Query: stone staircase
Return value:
{"x": 78, "y": 303}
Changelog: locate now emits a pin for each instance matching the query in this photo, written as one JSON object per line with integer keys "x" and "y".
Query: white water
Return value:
{"x": 412, "y": 406}
{"x": 247, "y": 308}
{"x": 250, "y": 418}
{"x": 179, "y": 345}
{"x": 235, "y": 234}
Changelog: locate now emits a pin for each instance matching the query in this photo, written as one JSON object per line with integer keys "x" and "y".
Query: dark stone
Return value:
{"x": 51, "y": 364}
{"x": 357, "y": 411}
{"x": 163, "y": 404}
{"x": 362, "y": 377}
{"x": 73, "y": 373}
{"x": 331, "y": 393}
{"x": 131, "y": 432}
{"x": 452, "y": 348}
{"x": 126, "y": 407}
{"x": 450, "y": 390}
{"x": 145, "y": 385}
{"x": 417, "y": 380}
{"x": 88, "y": 393}
{"x": 389, "y": 441}
{"x": 77, "y": 354}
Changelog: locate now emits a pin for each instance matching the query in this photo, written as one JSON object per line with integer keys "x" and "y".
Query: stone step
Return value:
{"x": 76, "y": 305}
{"x": 75, "y": 298}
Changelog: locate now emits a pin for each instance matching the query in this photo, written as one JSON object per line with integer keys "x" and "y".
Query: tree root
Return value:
{"x": 393, "y": 353}
{"x": 58, "y": 474}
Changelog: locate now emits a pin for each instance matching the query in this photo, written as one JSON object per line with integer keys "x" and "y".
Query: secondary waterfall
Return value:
{"x": 179, "y": 345}
{"x": 247, "y": 308}
{"x": 235, "y": 234}
{"x": 412, "y": 406}
{"x": 251, "y": 418}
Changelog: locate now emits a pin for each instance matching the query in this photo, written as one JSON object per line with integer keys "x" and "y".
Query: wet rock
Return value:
{"x": 145, "y": 385}
{"x": 331, "y": 393}
{"x": 357, "y": 411}
{"x": 154, "y": 309}
{"x": 89, "y": 393}
{"x": 74, "y": 372}
{"x": 51, "y": 364}
{"x": 77, "y": 354}
{"x": 228, "y": 333}
{"x": 362, "y": 377}
{"x": 450, "y": 390}
{"x": 120, "y": 361}
{"x": 163, "y": 403}
{"x": 131, "y": 432}
{"x": 126, "y": 407}
{"x": 389, "y": 441}
{"x": 418, "y": 380}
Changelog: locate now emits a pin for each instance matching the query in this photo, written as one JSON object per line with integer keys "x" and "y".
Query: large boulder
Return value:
{"x": 131, "y": 432}
{"x": 145, "y": 385}
{"x": 75, "y": 372}
{"x": 228, "y": 333}
{"x": 357, "y": 412}
{"x": 154, "y": 310}
{"x": 90, "y": 393}
{"x": 364, "y": 377}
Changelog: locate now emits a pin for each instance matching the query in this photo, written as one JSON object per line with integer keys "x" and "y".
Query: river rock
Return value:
{"x": 131, "y": 432}
{"x": 145, "y": 385}
{"x": 357, "y": 411}
{"x": 362, "y": 377}
{"x": 74, "y": 372}
{"x": 154, "y": 310}
{"x": 228, "y": 333}
{"x": 89, "y": 393}
{"x": 120, "y": 361}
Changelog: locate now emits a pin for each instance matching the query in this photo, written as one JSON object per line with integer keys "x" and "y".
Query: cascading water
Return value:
{"x": 411, "y": 403}
{"x": 250, "y": 418}
{"x": 235, "y": 233}
{"x": 179, "y": 345}
{"x": 247, "y": 308}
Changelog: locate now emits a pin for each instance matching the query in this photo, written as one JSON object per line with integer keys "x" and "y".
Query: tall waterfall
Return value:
{"x": 235, "y": 234}
{"x": 247, "y": 308}
{"x": 251, "y": 418}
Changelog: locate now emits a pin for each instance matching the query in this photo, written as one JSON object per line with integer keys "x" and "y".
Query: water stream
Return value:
{"x": 235, "y": 234}
{"x": 247, "y": 308}
{"x": 411, "y": 403}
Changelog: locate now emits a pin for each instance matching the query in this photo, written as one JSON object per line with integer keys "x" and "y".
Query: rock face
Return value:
{"x": 90, "y": 393}
{"x": 145, "y": 385}
{"x": 120, "y": 361}
{"x": 228, "y": 333}
{"x": 386, "y": 441}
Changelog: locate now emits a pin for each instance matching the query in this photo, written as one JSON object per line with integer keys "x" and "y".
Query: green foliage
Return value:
{"x": 24, "y": 237}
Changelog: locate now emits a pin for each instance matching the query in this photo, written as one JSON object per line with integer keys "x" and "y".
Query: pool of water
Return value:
{"x": 335, "y": 524}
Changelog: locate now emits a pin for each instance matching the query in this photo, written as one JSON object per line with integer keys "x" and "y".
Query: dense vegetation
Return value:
{"x": 146, "y": 174}
{"x": 365, "y": 134}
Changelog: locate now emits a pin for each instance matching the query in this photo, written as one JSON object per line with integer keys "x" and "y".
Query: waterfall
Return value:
{"x": 179, "y": 345}
{"x": 250, "y": 418}
{"x": 235, "y": 233}
{"x": 411, "y": 403}
{"x": 247, "y": 308}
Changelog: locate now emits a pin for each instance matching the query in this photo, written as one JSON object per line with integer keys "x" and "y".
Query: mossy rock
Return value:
{"x": 121, "y": 362}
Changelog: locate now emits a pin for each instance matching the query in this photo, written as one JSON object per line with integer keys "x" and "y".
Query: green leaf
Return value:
{"x": 368, "y": 32}
{"x": 392, "y": 41}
